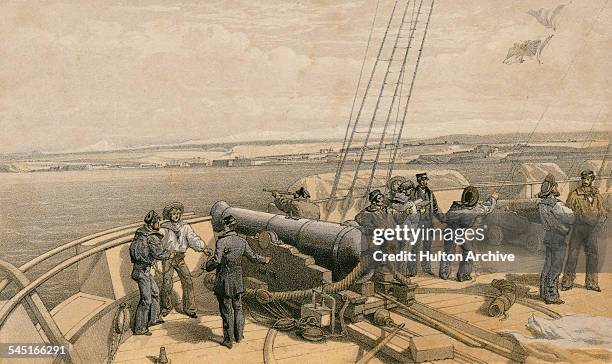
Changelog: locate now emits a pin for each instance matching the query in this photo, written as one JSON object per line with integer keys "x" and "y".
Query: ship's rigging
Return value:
{"x": 383, "y": 102}
{"x": 364, "y": 162}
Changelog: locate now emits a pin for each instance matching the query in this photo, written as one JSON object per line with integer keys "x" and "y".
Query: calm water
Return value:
{"x": 43, "y": 210}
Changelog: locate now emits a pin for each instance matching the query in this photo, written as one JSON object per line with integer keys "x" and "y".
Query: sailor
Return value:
{"x": 375, "y": 216}
{"x": 228, "y": 286}
{"x": 146, "y": 247}
{"x": 590, "y": 214}
{"x": 397, "y": 199}
{"x": 178, "y": 237}
{"x": 427, "y": 213}
{"x": 406, "y": 214}
{"x": 297, "y": 206}
{"x": 557, "y": 220}
{"x": 393, "y": 188}
{"x": 464, "y": 214}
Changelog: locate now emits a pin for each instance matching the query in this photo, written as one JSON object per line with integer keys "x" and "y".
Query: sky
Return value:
{"x": 90, "y": 74}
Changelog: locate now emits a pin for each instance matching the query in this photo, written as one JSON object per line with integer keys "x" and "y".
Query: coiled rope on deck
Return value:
{"x": 333, "y": 287}
{"x": 264, "y": 296}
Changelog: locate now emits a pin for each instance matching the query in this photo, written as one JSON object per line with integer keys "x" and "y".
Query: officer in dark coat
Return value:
{"x": 427, "y": 213}
{"x": 144, "y": 250}
{"x": 228, "y": 279}
{"x": 557, "y": 220}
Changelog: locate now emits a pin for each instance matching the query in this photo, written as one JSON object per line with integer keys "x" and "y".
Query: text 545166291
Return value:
{"x": 31, "y": 350}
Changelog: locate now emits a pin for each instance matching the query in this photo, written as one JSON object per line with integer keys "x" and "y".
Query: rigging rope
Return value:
{"x": 412, "y": 30}
{"x": 376, "y": 106}
{"x": 365, "y": 56}
{"x": 396, "y": 137}
{"x": 333, "y": 192}
{"x": 408, "y": 97}
{"x": 586, "y": 144}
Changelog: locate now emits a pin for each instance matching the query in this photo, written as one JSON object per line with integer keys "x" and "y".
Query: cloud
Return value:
{"x": 70, "y": 77}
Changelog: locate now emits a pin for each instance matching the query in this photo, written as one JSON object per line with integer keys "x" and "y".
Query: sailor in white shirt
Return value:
{"x": 178, "y": 237}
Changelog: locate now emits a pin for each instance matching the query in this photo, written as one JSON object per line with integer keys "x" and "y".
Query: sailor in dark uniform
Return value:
{"x": 427, "y": 213}
{"x": 463, "y": 215}
{"x": 228, "y": 279}
{"x": 146, "y": 247}
{"x": 298, "y": 205}
{"x": 376, "y": 216}
{"x": 406, "y": 213}
{"x": 557, "y": 220}
{"x": 394, "y": 188}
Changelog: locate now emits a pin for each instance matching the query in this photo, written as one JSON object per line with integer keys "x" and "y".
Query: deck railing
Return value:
{"x": 28, "y": 289}
{"x": 532, "y": 188}
{"x": 53, "y": 252}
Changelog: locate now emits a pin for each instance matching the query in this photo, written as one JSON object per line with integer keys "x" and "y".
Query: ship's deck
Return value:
{"x": 187, "y": 339}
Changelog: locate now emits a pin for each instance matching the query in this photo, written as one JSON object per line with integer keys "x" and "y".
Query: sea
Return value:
{"x": 40, "y": 211}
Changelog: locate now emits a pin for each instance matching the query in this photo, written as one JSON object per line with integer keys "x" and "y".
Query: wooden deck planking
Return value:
{"x": 187, "y": 339}
{"x": 179, "y": 335}
{"x": 303, "y": 348}
{"x": 449, "y": 300}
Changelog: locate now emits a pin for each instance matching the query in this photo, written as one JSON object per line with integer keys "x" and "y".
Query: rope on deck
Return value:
{"x": 264, "y": 296}
{"x": 334, "y": 287}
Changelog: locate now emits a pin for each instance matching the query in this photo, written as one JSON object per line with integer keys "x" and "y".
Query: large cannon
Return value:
{"x": 333, "y": 246}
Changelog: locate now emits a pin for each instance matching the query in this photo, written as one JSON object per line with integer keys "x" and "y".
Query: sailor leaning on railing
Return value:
{"x": 145, "y": 249}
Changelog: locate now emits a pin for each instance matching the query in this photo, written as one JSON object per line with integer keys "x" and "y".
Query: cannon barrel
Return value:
{"x": 333, "y": 246}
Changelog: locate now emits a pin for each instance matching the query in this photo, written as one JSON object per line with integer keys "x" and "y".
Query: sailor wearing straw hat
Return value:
{"x": 462, "y": 215}
{"x": 178, "y": 237}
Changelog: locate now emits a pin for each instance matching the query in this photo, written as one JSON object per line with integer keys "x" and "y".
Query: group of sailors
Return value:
{"x": 415, "y": 206}
{"x": 583, "y": 216}
{"x": 167, "y": 241}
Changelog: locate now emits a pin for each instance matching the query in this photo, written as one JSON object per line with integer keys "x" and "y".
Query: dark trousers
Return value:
{"x": 584, "y": 236}
{"x": 554, "y": 244}
{"x": 233, "y": 318}
{"x": 177, "y": 263}
{"x": 425, "y": 264}
{"x": 147, "y": 311}
{"x": 402, "y": 266}
{"x": 445, "y": 265}
{"x": 466, "y": 265}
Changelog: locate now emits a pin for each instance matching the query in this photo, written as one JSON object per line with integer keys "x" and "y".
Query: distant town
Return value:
{"x": 442, "y": 150}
